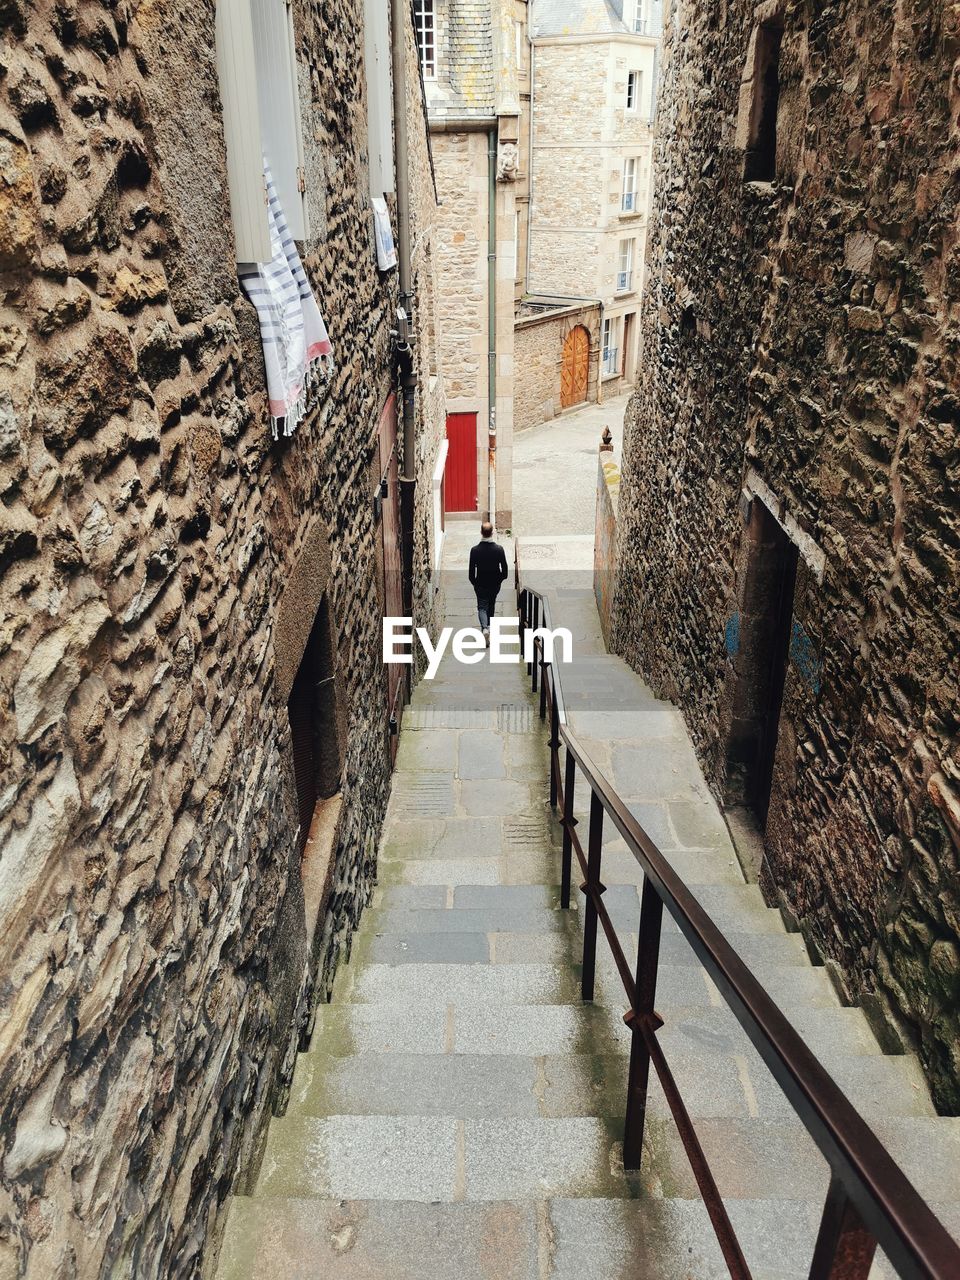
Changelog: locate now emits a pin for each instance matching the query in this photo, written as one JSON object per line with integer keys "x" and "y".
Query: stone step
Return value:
{"x": 439, "y": 1158}
{"x": 693, "y": 1032}
{"x": 394, "y": 939}
{"x": 427, "y": 985}
{"x": 405, "y": 920}
{"x": 734, "y": 908}
{"x": 580, "y": 1084}
{"x": 555, "y": 1239}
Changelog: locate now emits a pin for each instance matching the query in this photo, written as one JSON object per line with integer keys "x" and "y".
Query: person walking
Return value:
{"x": 488, "y": 572}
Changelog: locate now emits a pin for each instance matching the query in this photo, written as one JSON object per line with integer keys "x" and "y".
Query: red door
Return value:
{"x": 460, "y": 478}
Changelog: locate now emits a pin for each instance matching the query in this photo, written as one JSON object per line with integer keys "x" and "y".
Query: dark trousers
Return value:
{"x": 486, "y": 606}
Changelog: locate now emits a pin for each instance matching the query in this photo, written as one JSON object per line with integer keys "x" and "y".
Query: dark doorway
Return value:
{"x": 311, "y": 708}
{"x": 760, "y": 163}
{"x": 763, "y": 650}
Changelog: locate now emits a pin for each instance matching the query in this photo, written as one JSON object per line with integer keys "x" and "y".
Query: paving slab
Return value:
{"x": 467, "y": 1085}
{"x": 536, "y": 1158}
{"x": 317, "y": 1239}
{"x": 361, "y": 1157}
{"x": 457, "y": 984}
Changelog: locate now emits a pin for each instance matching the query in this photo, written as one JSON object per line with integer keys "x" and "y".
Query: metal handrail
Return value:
{"x": 870, "y": 1200}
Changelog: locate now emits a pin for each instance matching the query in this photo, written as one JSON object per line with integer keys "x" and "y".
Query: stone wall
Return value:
{"x": 538, "y": 356}
{"x": 605, "y": 539}
{"x": 162, "y": 562}
{"x": 461, "y": 162}
{"x": 806, "y": 328}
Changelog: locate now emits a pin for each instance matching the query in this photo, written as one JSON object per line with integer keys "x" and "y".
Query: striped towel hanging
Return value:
{"x": 296, "y": 348}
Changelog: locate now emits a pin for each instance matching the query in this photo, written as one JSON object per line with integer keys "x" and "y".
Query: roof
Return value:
{"x": 576, "y": 17}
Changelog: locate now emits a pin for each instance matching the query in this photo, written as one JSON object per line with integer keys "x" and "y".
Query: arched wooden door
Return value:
{"x": 575, "y": 367}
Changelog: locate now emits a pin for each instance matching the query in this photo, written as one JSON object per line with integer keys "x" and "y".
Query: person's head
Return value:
{"x": 486, "y": 529}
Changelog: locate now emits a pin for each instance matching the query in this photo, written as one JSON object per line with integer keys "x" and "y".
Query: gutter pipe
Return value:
{"x": 404, "y": 350}
{"x": 492, "y": 326}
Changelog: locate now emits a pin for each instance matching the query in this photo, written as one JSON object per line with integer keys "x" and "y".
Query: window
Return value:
{"x": 625, "y": 267}
{"x": 634, "y": 89}
{"x": 628, "y": 200}
{"x": 647, "y": 17}
{"x": 761, "y": 158}
{"x": 255, "y": 45}
{"x": 426, "y": 29}
{"x": 611, "y": 353}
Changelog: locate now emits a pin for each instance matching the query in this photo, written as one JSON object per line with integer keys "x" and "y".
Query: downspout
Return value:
{"x": 533, "y": 100}
{"x": 404, "y": 350}
{"x": 492, "y": 326}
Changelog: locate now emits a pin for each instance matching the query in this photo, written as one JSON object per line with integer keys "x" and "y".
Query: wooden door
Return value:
{"x": 460, "y": 477}
{"x": 575, "y": 367}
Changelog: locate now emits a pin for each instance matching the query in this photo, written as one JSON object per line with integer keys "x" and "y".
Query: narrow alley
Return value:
{"x": 460, "y": 1111}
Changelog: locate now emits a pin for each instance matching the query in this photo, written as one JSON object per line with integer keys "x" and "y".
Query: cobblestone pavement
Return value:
{"x": 555, "y": 469}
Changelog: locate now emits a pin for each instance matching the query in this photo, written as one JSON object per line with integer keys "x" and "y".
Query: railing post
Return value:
{"x": 543, "y": 690}
{"x": 569, "y": 783}
{"x": 592, "y": 885}
{"x": 554, "y": 742}
{"x": 524, "y": 622}
{"x": 845, "y": 1248}
{"x": 533, "y": 654}
{"x": 648, "y": 958}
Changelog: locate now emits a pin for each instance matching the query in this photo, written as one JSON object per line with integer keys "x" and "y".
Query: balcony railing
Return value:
{"x": 610, "y": 361}
{"x": 870, "y": 1201}
{"x": 624, "y": 280}
{"x": 628, "y": 201}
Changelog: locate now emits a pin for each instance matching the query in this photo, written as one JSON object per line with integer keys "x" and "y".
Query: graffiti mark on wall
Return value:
{"x": 804, "y": 656}
{"x": 731, "y": 635}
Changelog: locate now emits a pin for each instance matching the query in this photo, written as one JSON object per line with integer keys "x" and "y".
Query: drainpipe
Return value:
{"x": 492, "y": 325}
{"x": 533, "y": 101}
{"x": 404, "y": 351}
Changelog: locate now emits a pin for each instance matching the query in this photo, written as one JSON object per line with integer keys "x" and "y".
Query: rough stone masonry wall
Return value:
{"x": 154, "y": 971}
{"x": 810, "y": 328}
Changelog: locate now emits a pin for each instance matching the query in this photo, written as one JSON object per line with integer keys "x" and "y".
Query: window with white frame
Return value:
{"x": 628, "y": 200}
{"x": 625, "y": 267}
{"x": 634, "y": 89}
{"x": 426, "y": 28}
{"x": 256, "y": 46}
{"x": 611, "y": 350}
{"x": 647, "y": 17}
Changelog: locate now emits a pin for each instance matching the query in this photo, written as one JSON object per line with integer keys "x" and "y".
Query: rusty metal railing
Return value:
{"x": 870, "y": 1200}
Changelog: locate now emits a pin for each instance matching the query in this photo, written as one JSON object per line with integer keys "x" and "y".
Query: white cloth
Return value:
{"x": 386, "y": 249}
{"x": 296, "y": 347}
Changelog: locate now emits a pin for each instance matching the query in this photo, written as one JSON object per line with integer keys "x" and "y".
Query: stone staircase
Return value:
{"x": 459, "y": 1112}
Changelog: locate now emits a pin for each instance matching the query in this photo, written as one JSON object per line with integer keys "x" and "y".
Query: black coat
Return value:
{"x": 488, "y": 567}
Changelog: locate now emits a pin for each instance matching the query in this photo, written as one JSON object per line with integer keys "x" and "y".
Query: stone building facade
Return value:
{"x": 168, "y": 572}
{"x": 469, "y": 56}
{"x": 593, "y": 90}
{"x": 789, "y": 513}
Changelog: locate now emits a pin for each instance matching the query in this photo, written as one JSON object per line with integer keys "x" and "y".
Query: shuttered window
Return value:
{"x": 256, "y": 49}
